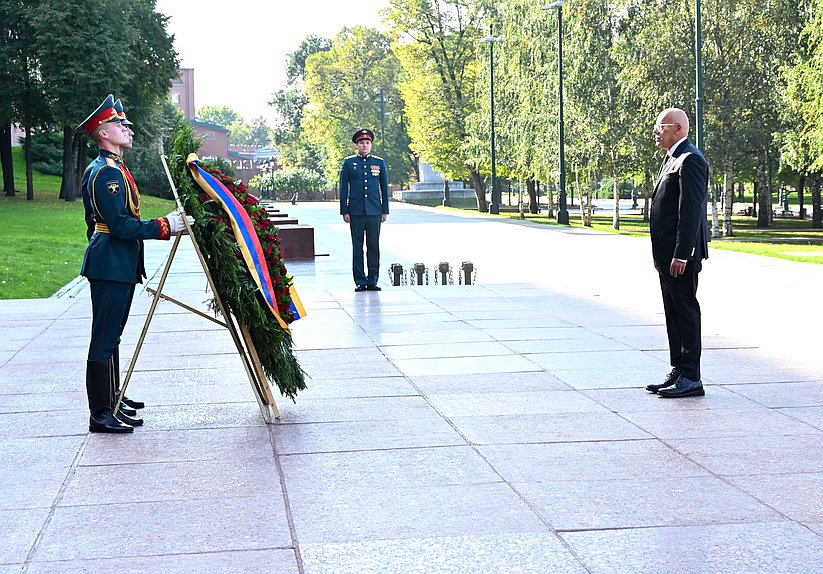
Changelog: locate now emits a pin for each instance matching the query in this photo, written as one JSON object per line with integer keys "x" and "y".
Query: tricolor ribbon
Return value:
{"x": 245, "y": 234}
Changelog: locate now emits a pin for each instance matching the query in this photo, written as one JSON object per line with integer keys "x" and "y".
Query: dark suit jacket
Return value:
{"x": 678, "y": 212}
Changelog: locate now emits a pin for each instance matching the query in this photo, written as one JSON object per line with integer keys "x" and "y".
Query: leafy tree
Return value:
{"x": 436, "y": 43}
{"x": 343, "y": 98}
{"x": 257, "y": 134}
{"x": 296, "y": 60}
{"x": 222, "y": 116}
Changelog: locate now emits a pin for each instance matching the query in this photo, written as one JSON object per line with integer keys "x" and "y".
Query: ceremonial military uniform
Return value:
{"x": 113, "y": 263}
{"x": 364, "y": 197}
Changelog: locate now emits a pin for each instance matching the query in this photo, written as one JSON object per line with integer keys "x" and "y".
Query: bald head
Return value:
{"x": 672, "y": 125}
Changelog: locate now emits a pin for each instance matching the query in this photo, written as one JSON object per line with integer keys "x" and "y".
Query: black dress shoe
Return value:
{"x": 684, "y": 388}
{"x": 360, "y": 288}
{"x": 104, "y": 421}
{"x": 133, "y": 404}
{"x": 126, "y": 419}
{"x": 126, "y": 410}
{"x": 670, "y": 379}
{"x": 373, "y": 288}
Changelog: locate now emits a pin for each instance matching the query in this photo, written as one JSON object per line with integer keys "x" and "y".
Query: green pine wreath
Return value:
{"x": 231, "y": 277}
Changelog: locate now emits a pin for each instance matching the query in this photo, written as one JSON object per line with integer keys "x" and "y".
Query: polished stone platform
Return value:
{"x": 501, "y": 427}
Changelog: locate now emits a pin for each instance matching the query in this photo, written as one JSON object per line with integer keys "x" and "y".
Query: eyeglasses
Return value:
{"x": 659, "y": 127}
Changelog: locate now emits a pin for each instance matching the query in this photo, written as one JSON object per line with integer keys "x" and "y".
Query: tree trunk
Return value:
{"x": 68, "y": 189}
{"x": 755, "y": 194}
{"x": 770, "y": 184}
{"x": 817, "y": 213}
{"x": 728, "y": 198}
{"x": 764, "y": 194}
{"x": 715, "y": 218}
{"x": 801, "y": 184}
{"x": 647, "y": 193}
{"x": 616, "y": 192}
{"x": 29, "y": 176}
{"x": 80, "y": 167}
{"x": 6, "y": 159}
{"x": 479, "y": 192}
{"x": 579, "y": 189}
{"x": 549, "y": 199}
{"x": 531, "y": 188}
{"x": 589, "y": 196}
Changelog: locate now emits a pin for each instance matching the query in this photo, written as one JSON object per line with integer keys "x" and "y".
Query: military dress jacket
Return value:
{"x": 114, "y": 227}
{"x": 364, "y": 186}
{"x": 679, "y": 204}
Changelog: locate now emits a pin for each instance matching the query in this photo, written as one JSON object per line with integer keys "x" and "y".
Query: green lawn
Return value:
{"x": 786, "y": 238}
{"x": 42, "y": 241}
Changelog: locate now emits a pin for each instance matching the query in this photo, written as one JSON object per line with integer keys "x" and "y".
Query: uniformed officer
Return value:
{"x": 113, "y": 262}
{"x": 364, "y": 205}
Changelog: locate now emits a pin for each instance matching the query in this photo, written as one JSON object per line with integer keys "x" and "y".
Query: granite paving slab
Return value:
{"x": 798, "y": 496}
{"x": 642, "y": 503}
{"x": 205, "y": 416}
{"x": 767, "y": 548}
{"x": 528, "y": 553}
{"x": 791, "y": 394}
{"x": 356, "y": 514}
{"x": 357, "y": 409}
{"x": 575, "y": 345}
{"x": 812, "y": 416}
{"x": 541, "y": 428}
{"x": 363, "y": 435}
{"x": 505, "y": 403}
{"x": 455, "y": 383}
{"x": 445, "y": 350}
{"x": 773, "y": 454}
{"x": 614, "y": 460}
{"x": 169, "y": 527}
{"x": 610, "y": 377}
{"x": 705, "y": 423}
{"x": 465, "y": 365}
{"x": 49, "y": 400}
{"x": 504, "y": 333}
{"x": 236, "y": 390}
{"x": 235, "y": 444}
{"x": 34, "y": 469}
{"x": 639, "y": 399}
{"x": 246, "y": 561}
{"x": 597, "y": 361}
{"x": 410, "y": 467}
{"x": 44, "y": 423}
{"x": 18, "y": 531}
{"x": 465, "y": 335}
{"x": 167, "y": 481}
{"x": 354, "y": 388}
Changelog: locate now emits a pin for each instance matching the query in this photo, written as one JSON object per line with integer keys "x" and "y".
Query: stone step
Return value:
{"x": 296, "y": 241}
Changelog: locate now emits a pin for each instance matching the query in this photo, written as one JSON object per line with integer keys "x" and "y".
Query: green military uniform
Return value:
{"x": 364, "y": 197}
{"x": 113, "y": 264}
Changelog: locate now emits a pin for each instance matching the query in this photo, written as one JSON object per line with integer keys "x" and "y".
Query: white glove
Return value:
{"x": 176, "y": 225}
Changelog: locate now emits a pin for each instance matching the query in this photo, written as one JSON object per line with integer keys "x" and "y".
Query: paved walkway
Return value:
{"x": 495, "y": 428}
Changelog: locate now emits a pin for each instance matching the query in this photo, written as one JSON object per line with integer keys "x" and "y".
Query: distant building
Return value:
{"x": 247, "y": 160}
{"x": 216, "y": 141}
{"x": 182, "y": 92}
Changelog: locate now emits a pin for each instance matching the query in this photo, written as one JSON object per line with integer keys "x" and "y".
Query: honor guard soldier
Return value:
{"x": 364, "y": 205}
{"x": 113, "y": 262}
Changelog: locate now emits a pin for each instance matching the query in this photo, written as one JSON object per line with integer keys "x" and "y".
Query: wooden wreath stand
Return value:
{"x": 239, "y": 333}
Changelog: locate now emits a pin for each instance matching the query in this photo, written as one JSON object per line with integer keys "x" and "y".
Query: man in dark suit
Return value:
{"x": 113, "y": 262}
{"x": 680, "y": 238}
{"x": 364, "y": 205}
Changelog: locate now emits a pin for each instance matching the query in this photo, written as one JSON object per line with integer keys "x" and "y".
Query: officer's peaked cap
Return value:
{"x": 364, "y": 134}
{"x": 104, "y": 113}
{"x": 118, "y": 107}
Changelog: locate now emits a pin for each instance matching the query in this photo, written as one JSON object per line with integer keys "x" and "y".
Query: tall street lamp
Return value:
{"x": 494, "y": 205}
{"x": 562, "y": 211}
{"x": 698, "y": 64}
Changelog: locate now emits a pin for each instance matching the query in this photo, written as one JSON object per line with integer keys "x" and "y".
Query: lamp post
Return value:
{"x": 494, "y": 205}
{"x": 698, "y": 64}
{"x": 562, "y": 211}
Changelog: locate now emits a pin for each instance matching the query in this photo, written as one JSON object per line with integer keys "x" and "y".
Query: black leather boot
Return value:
{"x": 131, "y": 404}
{"x": 98, "y": 390}
{"x": 114, "y": 373}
